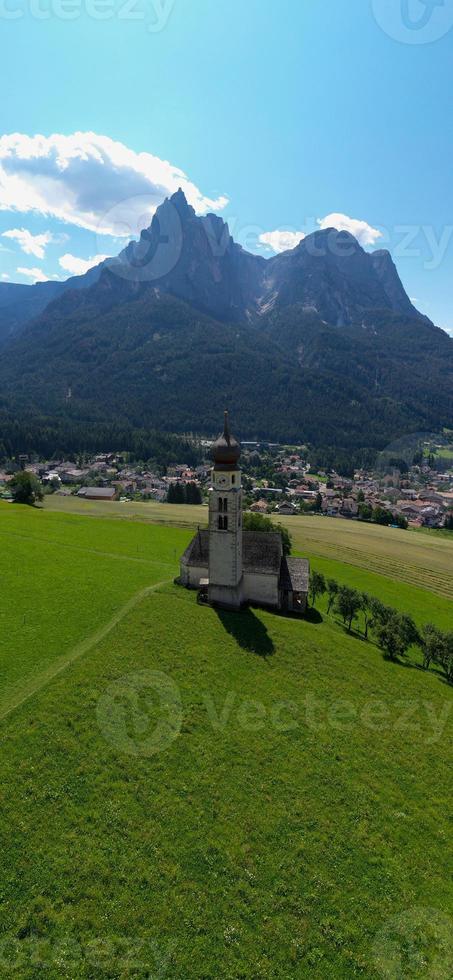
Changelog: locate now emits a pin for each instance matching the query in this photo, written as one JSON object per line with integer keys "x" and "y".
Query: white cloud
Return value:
{"x": 90, "y": 181}
{"x": 5, "y": 276}
{"x": 77, "y": 267}
{"x": 36, "y": 274}
{"x": 280, "y": 241}
{"x": 30, "y": 244}
{"x": 362, "y": 231}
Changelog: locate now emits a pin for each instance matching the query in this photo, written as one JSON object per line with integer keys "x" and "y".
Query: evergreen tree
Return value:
{"x": 193, "y": 494}
{"x": 176, "y": 494}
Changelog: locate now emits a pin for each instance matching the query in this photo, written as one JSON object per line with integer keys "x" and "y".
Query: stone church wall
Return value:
{"x": 261, "y": 588}
{"x": 191, "y": 575}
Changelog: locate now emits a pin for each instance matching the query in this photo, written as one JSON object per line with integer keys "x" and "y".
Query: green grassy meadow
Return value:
{"x": 192, "y": 794}
{"x": 421, "y": 559}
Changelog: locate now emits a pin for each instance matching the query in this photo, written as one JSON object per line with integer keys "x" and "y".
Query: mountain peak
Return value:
{"x": 178, "y": 196}
{"x": 179, "y": 201}
{"x": 340, "y": 235}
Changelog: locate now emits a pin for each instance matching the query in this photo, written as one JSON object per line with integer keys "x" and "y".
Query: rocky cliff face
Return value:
{"x": 196, "y": 260}
{"x": 329, "y": 273}
{"x": 387, "y": 274}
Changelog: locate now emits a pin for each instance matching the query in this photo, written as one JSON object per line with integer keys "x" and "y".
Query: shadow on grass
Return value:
{"x": 313, "y": 615}
{"x": 354, "y": 632}
{"x": 248, "y": 631}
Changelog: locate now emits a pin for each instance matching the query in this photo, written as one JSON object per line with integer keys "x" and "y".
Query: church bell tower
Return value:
{"x": 225, "y": 523}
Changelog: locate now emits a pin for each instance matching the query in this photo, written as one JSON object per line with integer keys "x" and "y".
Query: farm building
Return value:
{"x": 98, "y": 493}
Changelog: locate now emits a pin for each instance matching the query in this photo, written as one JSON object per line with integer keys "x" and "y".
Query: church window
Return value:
{"x": 233, "y": 478}
{"x": 225, "y": 504}
{"x": 220, "y": 504}
{"x": 220, "y": 523}
{"x": 225, "y": 523}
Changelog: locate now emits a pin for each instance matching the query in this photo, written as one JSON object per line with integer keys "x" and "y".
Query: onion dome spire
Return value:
{"x": 226, "y": 449}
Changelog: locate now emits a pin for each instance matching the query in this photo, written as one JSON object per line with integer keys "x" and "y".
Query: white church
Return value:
{"x": 235, "y": 567}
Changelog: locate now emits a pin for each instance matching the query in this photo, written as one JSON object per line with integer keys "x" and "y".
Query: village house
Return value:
{"x": 286, "y": 508}
{"x": 72, "y": 475}
{"x": 50, "y": 477}
{"x": 259, "y": 507}
{"x": 98, "y": 493}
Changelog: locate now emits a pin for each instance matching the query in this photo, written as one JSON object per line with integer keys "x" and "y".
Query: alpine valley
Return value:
{"x": 318, "y": 344}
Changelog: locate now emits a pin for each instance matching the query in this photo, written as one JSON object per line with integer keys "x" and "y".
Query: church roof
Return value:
{"x": 197, "y": 551}
{"x": 294, "y": 574}
{"x": 261, "y": 550}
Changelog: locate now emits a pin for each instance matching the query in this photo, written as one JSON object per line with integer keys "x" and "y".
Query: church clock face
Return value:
{"x": 222, "y": 480}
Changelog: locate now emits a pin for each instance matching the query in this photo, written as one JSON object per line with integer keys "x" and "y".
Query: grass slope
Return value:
{"x": 278, "y": 833}
{"x": 421, "y": 560}
{"x": 423, "y": 605}
{"x": 293, "y": 819}
{"x": 63, "y": 578}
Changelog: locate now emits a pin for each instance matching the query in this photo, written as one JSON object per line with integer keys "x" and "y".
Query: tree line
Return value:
{"x": 184, "y": 493}
{"x": 57, "y": 437}
{"x": 394, "y": 632}
{"x": 380, "y": 515}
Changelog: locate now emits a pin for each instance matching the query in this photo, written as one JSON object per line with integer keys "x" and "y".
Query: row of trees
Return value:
{"x": 395, "y": 632}
{"x": 380, "y": 515}
{"x": 184, "y": 493}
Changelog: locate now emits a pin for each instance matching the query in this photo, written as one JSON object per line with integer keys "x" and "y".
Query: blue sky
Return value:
{"x": 279, "y": 113}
